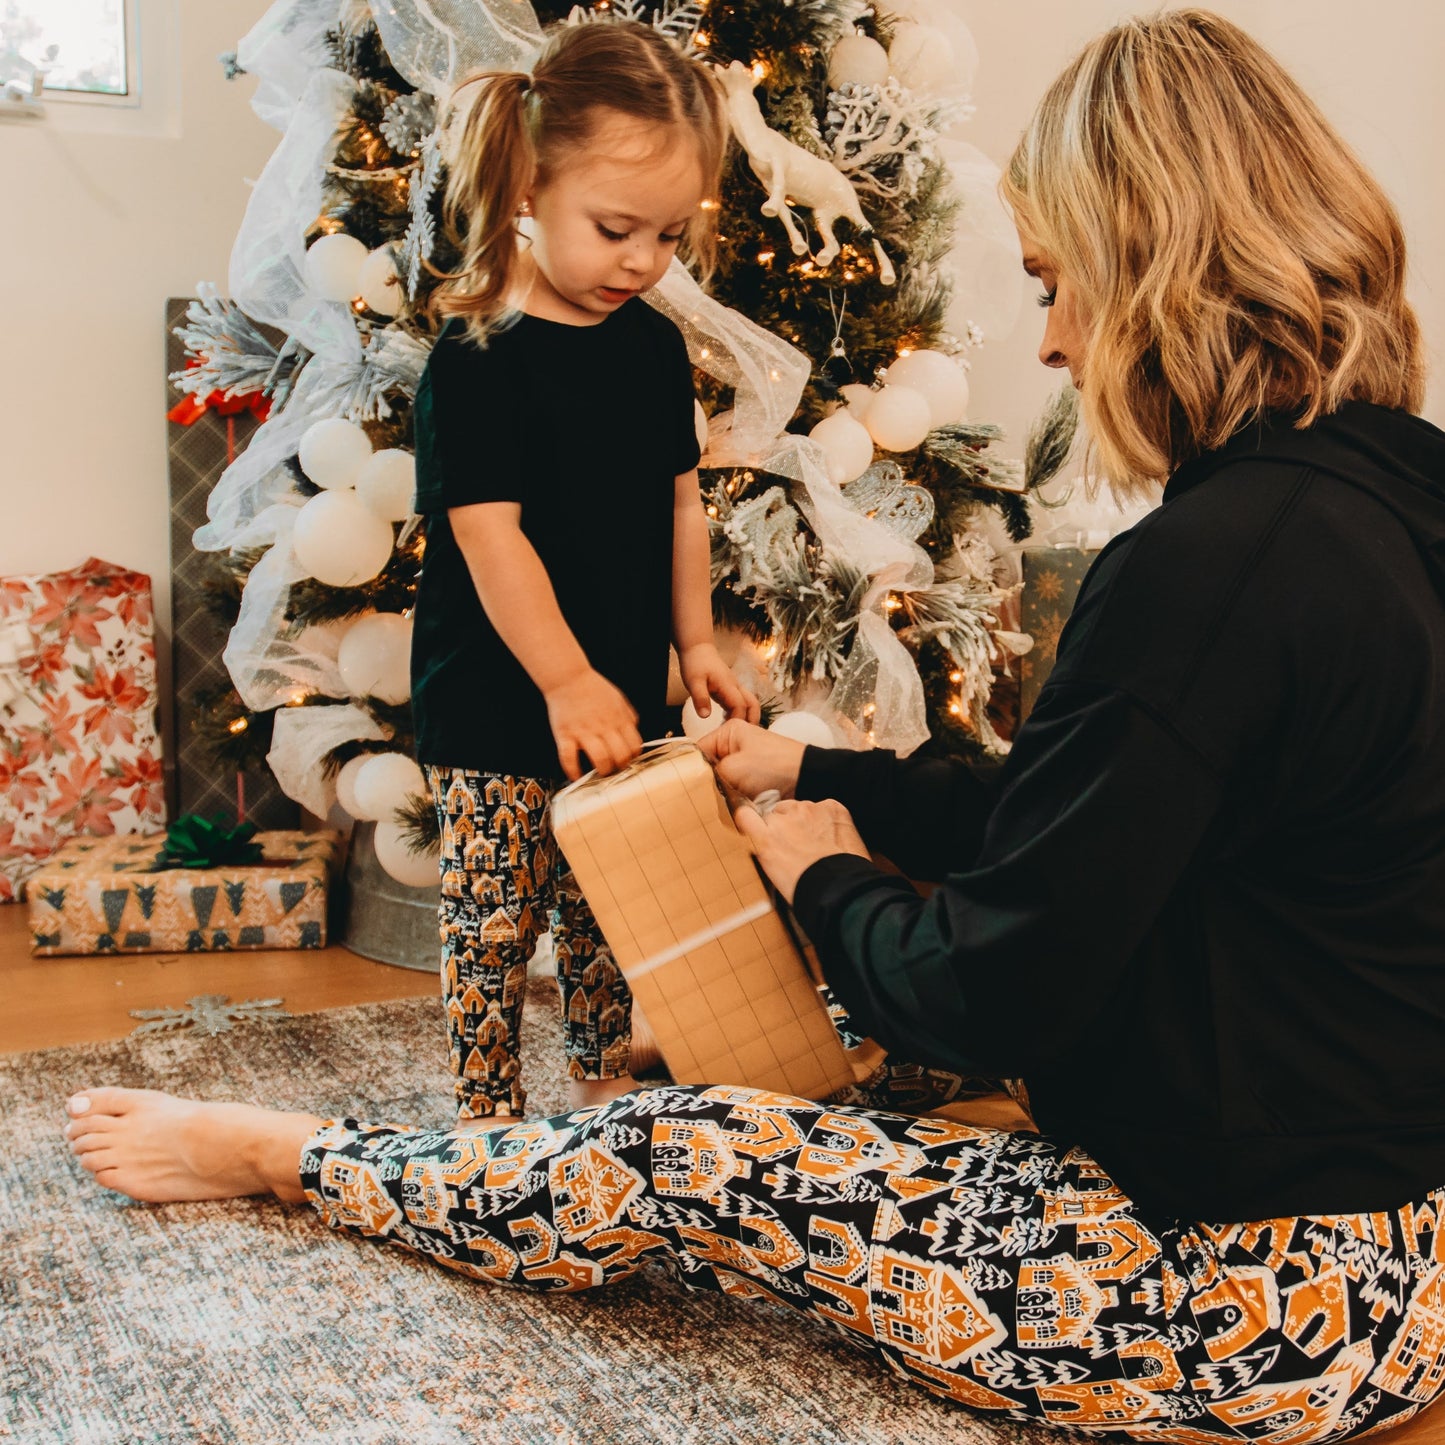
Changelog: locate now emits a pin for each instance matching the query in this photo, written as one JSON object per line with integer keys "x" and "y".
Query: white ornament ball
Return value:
{"x": 858, "y": 58}
{"x": 346, "y": 786}
{"x": 384, "y": 782}
{"x": 699, "y": 423}
{"x": 333, "y": 266}
{"x": 803, "y": 727}
{"x": 374, "y": 658}
{"x": 333, "y": 452}
{"x": 340, "y": 541}
{"x": 379, "y": 283}
{"x": 697, "y": 727}
{"x": 898, "y": 419}
{"x": 858, "y": 398}
{"x": 387, "y": 484}
{"x": 393, "y": 852}
{"x": 847, "y": 447}
{"x": 939, "y": 380}
{"x": 922, "y": 57}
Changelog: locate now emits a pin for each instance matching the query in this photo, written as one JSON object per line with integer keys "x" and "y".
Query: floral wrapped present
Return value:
{"x": 125, "y": 895}
{"x": 79, "y": 752}
{"x": 694, "y": 930}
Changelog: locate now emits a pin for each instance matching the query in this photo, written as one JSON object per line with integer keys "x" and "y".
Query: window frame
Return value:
{"x": 130, "y": 97}
{"x": 153, "y": 61}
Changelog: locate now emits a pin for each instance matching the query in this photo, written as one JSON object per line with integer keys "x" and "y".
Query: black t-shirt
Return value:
{"x": 588, "y": 427}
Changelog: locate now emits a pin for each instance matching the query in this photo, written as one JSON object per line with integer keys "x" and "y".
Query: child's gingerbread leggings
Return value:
{"x": 504, "y": 882}
{"x": 999, "y": 1270}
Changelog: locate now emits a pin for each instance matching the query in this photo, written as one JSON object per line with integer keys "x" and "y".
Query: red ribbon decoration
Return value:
{"x": 190, "y": 409}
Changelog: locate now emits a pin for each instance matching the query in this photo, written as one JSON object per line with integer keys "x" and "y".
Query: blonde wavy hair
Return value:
{"x": 519, "y": 130}
{"x": 1230, "y": 255}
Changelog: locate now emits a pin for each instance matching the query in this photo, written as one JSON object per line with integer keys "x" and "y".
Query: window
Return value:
{"x": 85, "y": 48}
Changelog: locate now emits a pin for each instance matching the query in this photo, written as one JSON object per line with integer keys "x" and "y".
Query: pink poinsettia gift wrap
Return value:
{"x": 80, "y": 754}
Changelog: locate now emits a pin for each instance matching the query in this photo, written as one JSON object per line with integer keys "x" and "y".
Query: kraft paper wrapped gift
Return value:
{"x": 113, "y": 895}
{"x": 708, "y": 957}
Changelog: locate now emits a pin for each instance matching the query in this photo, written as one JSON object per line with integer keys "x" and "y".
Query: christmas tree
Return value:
{"x": 852, "y": 506}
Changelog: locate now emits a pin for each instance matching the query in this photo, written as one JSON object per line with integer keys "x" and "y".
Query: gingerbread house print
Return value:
{"x": 1057, "y": 1302}
{"x": 1415, "y": 1365}
{"x": 927, "y": 1309}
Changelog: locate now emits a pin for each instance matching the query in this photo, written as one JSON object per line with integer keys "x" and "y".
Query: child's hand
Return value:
{"x": 591, "y": 715}
{"x": 707, "y": 676}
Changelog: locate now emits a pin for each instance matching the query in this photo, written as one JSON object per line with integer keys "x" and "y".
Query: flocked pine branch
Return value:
{"x": 229, "y": 353}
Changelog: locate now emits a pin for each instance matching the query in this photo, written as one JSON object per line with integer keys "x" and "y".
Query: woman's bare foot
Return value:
{"x": 159, "y": 1148}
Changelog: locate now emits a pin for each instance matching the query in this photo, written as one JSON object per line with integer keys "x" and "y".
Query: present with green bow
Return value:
{"x": 201, "y": 887}
{"x": 197, "y": 842}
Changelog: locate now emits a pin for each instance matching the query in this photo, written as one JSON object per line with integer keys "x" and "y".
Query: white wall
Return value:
{"x": 1373, "y": 69}
{"x": 100, "y": 228}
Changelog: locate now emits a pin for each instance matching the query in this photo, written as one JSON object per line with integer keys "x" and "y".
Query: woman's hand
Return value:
{"x": 707, "y": 676}
{"x": 751, "y": 760}
{"x": 794, "y": 836}
{"x": 591, "y": 715}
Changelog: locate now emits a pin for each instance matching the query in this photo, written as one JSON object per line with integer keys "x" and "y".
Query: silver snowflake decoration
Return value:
{"x": 211, "y": 1013}
{"x": 885, "y": 493}
{"x": 408, "y": 120}
{"x": 420, "y": 238}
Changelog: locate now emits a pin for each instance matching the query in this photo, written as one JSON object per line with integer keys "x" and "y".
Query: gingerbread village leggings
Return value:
{"x": 504, "y": 882}
{"x": 997, "y": 1269}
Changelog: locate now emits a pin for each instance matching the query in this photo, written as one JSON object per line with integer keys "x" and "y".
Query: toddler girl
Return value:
{"x": 565, "y": 538}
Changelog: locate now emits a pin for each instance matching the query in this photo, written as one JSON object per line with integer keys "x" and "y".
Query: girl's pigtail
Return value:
{"x": 491, "y": 166}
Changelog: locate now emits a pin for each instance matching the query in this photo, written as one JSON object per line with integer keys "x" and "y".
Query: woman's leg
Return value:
{"x": 995, "y": 1269}
{"x": 489, "y": 919}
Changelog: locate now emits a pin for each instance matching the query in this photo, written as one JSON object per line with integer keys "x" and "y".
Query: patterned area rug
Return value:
{"x": 249, "y": 1321}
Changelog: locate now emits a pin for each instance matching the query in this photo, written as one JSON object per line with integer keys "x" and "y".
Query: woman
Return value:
{"x": 1203, "y": 917}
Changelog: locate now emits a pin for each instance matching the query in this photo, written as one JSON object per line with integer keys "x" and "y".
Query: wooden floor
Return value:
{"x": 48, "y": 1002}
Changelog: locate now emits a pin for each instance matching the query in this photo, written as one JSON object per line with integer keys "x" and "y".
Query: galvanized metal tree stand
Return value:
{"x": 383, "y": 919}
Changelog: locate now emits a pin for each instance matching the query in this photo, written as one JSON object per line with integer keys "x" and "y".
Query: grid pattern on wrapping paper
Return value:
{"x": 659, "y": 861}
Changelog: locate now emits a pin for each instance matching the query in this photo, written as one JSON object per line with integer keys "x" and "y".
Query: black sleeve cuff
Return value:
{"x": 819, "y": 882}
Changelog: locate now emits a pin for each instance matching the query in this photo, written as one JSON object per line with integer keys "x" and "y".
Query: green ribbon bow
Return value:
{"x": 197, "y": 842}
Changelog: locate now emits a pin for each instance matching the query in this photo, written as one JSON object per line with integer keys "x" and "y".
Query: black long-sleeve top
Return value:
{"x": 1202, "y": 914}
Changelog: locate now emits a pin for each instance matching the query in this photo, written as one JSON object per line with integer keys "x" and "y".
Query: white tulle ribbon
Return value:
{"x": 283, "y": 50}
{"x": 300, "y": 743}
{"x": 769, "y": 376}
{"x": 435, "y": 43}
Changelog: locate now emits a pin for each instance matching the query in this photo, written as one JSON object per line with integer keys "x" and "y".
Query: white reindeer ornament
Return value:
{"x": 788, "y": 171}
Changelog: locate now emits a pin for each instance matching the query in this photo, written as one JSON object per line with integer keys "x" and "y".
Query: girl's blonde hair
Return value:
{"x": 1229, "y": 253}
{"x": 521, "y": 130}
